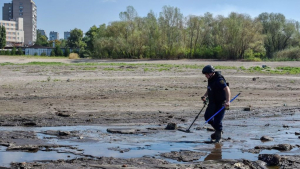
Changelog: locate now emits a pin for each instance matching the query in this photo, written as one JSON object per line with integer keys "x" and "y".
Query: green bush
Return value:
{"x": 288, "y": 54}
{"x": 20, "y": 51}
{"x": 52, "y": 53}
{"x": 43, "y": 54}
{"x": 35, "y": 54}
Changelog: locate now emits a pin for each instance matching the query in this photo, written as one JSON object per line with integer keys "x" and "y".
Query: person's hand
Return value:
{"x": 227, "y": 104}
{"x": 203, "y": 98}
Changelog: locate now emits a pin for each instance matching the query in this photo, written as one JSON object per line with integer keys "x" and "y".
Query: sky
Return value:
{"x": 65, "y": 15}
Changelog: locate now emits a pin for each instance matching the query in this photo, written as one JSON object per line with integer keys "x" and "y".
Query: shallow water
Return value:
{"x": 98, "y": 142}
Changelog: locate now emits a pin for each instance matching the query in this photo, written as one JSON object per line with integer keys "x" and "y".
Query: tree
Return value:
{"x": 2, "y": 37}
{"x": 13, "y": 52}
{"x": 278, "y": 32}
{"x": 52, "y": 53}
{"x": 89, "y": 38}
{"x": 67, "y": 52}
{"x": 19, "y": 52}
{"x": 58, "y": 51}
{"x": 171, "y": 23}
{"x": 41, "y": 40}
{"x": 75, "y": 39}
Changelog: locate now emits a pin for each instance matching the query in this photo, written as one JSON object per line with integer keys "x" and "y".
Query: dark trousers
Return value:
{"x": 215, "y": 122}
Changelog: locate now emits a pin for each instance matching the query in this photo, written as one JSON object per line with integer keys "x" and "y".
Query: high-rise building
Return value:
{"x": 14, "y": 32}
{"x": 53, "y": 35}
{"x": 27, "y": 10}
{"x": 66, "y": 35}
{"x": 7, "y": 11}
{"x": 42, "y": 32}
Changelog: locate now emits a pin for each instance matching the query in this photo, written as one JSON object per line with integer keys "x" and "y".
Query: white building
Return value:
{"x": 14, "y": 32}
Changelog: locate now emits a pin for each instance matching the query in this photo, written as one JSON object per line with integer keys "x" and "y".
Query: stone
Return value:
{"x": 171, "y": 126}
{"x": 266, "y": 138}
{"x": 270, "y": 159}
{"x": 122, "y": 130}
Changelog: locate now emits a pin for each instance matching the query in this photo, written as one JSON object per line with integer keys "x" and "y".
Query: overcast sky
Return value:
{"x": 65, "y": 15}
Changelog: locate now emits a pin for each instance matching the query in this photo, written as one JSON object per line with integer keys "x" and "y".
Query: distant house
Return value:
{"x": 37, "y": 49}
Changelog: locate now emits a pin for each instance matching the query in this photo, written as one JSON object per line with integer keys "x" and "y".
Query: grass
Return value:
{"x": 151, "y": 67}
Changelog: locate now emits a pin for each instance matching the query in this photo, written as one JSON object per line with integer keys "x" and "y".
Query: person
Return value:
{"x": 218, "y": 94}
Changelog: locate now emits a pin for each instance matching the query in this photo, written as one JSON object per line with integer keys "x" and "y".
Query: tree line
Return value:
{"x": 170, "y": 35}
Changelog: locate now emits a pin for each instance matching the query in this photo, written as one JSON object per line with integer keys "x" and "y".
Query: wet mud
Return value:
{"x": 132, "y": 119}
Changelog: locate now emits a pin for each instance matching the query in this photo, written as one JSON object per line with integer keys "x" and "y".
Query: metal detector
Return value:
{"x": 188, "y": 130}
{"x": 205, "y": 102}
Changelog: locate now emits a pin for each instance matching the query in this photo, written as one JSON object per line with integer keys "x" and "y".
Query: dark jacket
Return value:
{"x": 215, "y": 89}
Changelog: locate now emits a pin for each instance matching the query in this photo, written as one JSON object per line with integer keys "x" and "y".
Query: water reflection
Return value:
{"x": 216, "y": 153}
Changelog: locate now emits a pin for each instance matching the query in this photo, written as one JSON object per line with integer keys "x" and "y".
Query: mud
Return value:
{"x": 90, "y": 117}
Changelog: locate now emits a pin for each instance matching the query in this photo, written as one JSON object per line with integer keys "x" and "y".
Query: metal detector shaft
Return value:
{"x": 197, "y": 116}
{"x": 221, "y": 109}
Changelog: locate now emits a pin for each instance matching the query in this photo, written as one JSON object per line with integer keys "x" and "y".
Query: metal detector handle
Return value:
{"x": 221, "y": 109}
{"x": 197, "y": 116}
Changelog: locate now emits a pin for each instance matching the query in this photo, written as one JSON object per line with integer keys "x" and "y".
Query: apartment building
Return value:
{"x": 14, "y": 32}
{"x": 7, "y": 11}
{"x": 42, "y": 32}
{"x": 53, "y": 35}
{"x": 66, "y": 35}
{"x": 27, "y": 10}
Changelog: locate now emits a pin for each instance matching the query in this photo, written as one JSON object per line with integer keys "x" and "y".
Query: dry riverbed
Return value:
{"x": 114, "y": 114}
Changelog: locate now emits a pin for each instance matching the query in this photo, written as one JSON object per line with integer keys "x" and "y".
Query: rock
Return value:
{"x": 247, "y": 109}
{"x": 285, "y": 147}
{"x": 29, "y": 124}
{"x": 297, "y": 133}
{"x": 285, "y": 126}
{"x": 171, "y": 126}
{"x": 270, "y": 159}
{"x": 266, "y": 138}
{"x": 210, "y": 129}
{"x": 122, "y": 130}
{"x": 183, "y": 155}
{"x": 30, "y": 148}
{"x": 64, "y": 133}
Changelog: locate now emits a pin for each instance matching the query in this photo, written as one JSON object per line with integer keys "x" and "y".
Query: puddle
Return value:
{"x": 96, "y": 141}
{"x": 6, "y": 157}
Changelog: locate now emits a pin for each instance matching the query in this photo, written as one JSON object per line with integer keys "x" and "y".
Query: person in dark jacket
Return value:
{"x": 218, "y": 94}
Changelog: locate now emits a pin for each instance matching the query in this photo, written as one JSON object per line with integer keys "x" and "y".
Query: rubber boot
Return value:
{"x": 213, "y": 136}
{"x": 218, "y": 135}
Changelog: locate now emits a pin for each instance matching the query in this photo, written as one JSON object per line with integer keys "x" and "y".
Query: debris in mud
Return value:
{"x": 266, "y": 138}
{"x": 62, "y": 134}
{"x": 122, "y": 130}
{"x": 282, "y": 147}
{"x": 247, "y": 108}
{"x": 28, "y": 124}
{"x": 119, "y": 149}
{"x": 28, "y": 148}
{"x": 270, "y": 159}
{"x": 183, "y": 155}
{"x": 65, "y": 113}
{"x": 285, "y": 126}
{"x": 209, "y": 128}
{"x": 171, "y": 126}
